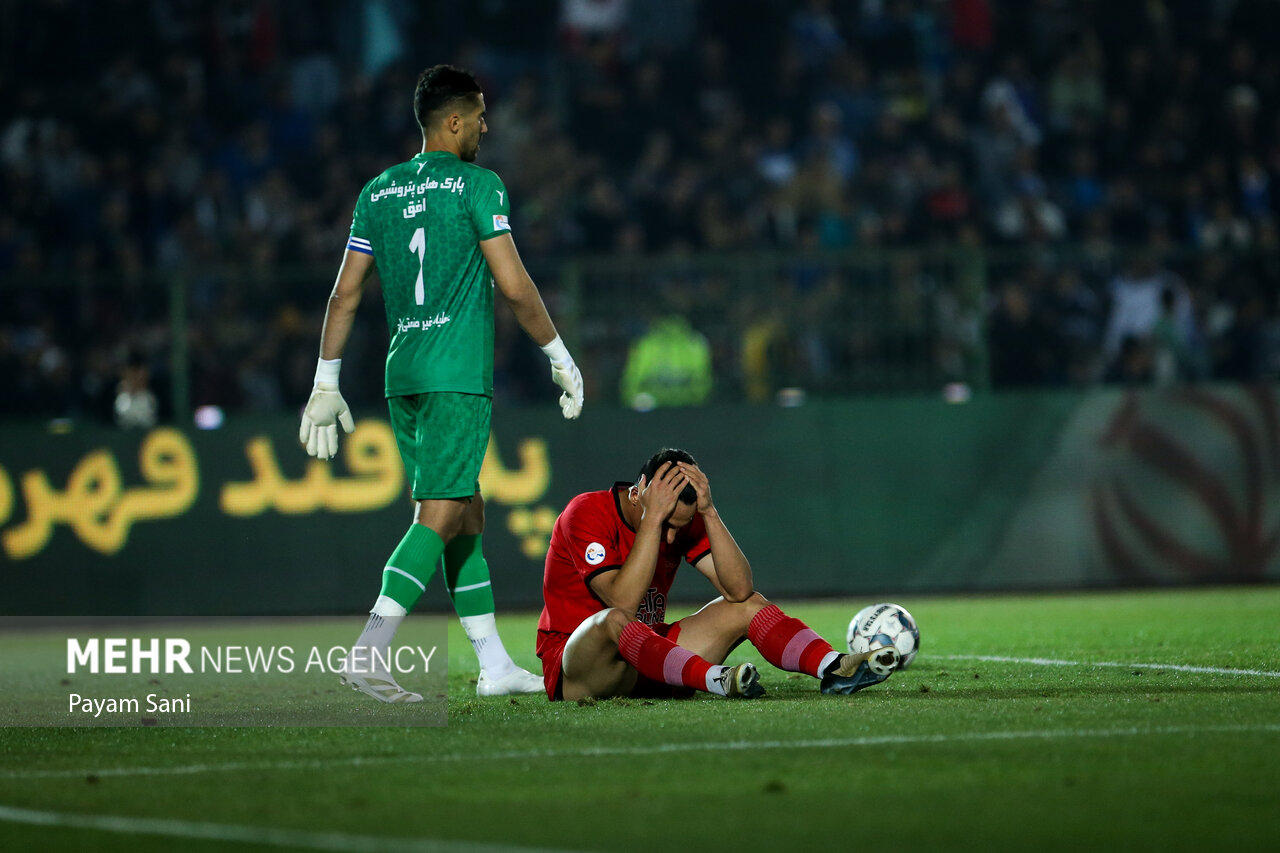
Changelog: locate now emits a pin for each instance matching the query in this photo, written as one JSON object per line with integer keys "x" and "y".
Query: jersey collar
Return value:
{"x": 617, "y": 501}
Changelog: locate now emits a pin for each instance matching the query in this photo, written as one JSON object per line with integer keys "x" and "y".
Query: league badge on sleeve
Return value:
{"x": 595, "y": 554}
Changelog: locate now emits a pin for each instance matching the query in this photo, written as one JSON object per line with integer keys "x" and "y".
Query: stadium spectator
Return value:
{"x": 135, "y": 405}
{"x": 1024, "y": 349}
{"x": 1076, "y": 87}
{"x": 1076, "y": 312}
{"x": 1176, "y": 352}
{"x": 1144, "y": 295}
{"x": 609, "y": 569}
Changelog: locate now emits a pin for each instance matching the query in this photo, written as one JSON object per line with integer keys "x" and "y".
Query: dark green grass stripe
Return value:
{"x": 271, "y": 836}
{"x": 650, "y": 749}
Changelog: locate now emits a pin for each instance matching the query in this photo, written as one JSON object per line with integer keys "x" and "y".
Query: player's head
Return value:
{"x": 449, "y": 101}
{"x": 662, "y": 457}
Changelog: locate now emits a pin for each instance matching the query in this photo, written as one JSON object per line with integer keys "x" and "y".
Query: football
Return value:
{"x": 885, "y": 624}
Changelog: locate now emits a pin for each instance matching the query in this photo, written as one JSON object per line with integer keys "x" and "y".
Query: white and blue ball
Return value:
{"x": 884, "y": 625}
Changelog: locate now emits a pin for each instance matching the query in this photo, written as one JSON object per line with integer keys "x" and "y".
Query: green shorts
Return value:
{"x": 442, "y": 438}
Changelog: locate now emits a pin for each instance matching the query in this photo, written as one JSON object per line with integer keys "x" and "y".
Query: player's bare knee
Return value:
{"x": 746, "y": 610}
{"x": 750, "y": 606}
{"x": 614, "y": 621}
{"x": 601, "y": 629}
{"x": 473, "y": 517}
{"x": 444, "y": 516}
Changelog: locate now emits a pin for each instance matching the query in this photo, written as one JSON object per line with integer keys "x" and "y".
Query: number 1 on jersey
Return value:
{"x": 419, "y": 245}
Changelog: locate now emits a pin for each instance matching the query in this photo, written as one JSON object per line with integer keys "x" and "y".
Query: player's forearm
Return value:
{"x": 733, "y": 569}
{"x": 339, "y": 317}
{"x": 636, "y": 575}
{"x": 531, "y": 314}
{"x": 340, "y": 314}
{"x": 517, "y": 287}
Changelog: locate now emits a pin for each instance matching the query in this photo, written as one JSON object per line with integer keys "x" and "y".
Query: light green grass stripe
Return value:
{"x": 658, "y": 749}
{"x": 1177, "y": 667}
{"x": 297, "y": 839}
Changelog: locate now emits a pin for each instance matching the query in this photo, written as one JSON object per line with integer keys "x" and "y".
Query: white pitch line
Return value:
{"x": 1206, "y": 670}
{"x": 276, "y": 837}
{"x": 602, "y": 751}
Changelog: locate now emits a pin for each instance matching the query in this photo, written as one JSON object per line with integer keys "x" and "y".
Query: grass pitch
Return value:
{"x": 1099, "y": 721}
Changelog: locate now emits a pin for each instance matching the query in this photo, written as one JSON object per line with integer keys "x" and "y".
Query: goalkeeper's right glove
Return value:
{"x": 565, "y": 374}
{"x": 325, "y": 409}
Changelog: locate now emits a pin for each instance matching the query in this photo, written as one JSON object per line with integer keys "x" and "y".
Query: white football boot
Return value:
{"x": 380, "y": 686}
{"x": 741, "y": 682}
{"x": 374, "y": 682}
{"x": 517, "y": 682}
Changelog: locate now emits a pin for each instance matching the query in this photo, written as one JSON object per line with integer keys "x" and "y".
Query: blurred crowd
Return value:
{"x": 1113, "y": 160}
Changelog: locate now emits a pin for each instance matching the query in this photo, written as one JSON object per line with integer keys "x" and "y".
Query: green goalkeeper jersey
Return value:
{"x": 423, "y": 222}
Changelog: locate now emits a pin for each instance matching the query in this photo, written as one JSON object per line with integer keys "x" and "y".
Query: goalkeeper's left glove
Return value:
{"x": 565, "y": 374}
{"x": 325, "y": 409}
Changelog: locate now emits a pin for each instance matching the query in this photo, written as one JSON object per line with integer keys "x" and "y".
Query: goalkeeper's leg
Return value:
{"x": 466, "y": 574}
{"x": 404, "y": 579}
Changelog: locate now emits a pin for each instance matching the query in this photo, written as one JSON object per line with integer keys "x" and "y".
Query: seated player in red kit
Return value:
{"x": 609, "y": 569}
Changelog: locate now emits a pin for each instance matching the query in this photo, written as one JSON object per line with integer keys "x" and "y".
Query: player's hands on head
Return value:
{"x": 700, "y": 484}
{"x": 658, "y": 498}
{"x": 325, "y": 410}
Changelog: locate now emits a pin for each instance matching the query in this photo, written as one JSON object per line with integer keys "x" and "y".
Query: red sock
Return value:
{"x": 788, "y": 643}
{"x": 659, "y": 659}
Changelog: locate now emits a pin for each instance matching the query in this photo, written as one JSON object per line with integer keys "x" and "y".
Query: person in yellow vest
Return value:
{"x": 670, "y": 365}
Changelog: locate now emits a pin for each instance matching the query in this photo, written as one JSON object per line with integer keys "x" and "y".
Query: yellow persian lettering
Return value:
{"x": 377, "y": 478}
{"x": 6, "y": 496}
{"x": 520, "y": 486}
{"x": 95, "y": 505}
{"x": 377, "y": 473}
{"x": 533, "y": 528}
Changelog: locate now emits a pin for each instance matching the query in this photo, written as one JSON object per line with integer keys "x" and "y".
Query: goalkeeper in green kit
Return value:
{"x": 437, "y": 228}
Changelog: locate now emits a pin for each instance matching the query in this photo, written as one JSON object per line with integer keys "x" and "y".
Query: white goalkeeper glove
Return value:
{"x": 565, "y": 374}
{"x": 325, "y": 410}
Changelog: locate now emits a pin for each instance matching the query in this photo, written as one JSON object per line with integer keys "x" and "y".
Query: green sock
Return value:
{"x": 412, "y": 565}
{"x": 466, "y": 574}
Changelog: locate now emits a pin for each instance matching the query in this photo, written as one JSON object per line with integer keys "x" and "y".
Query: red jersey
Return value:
{"x": 592, "y": 536}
